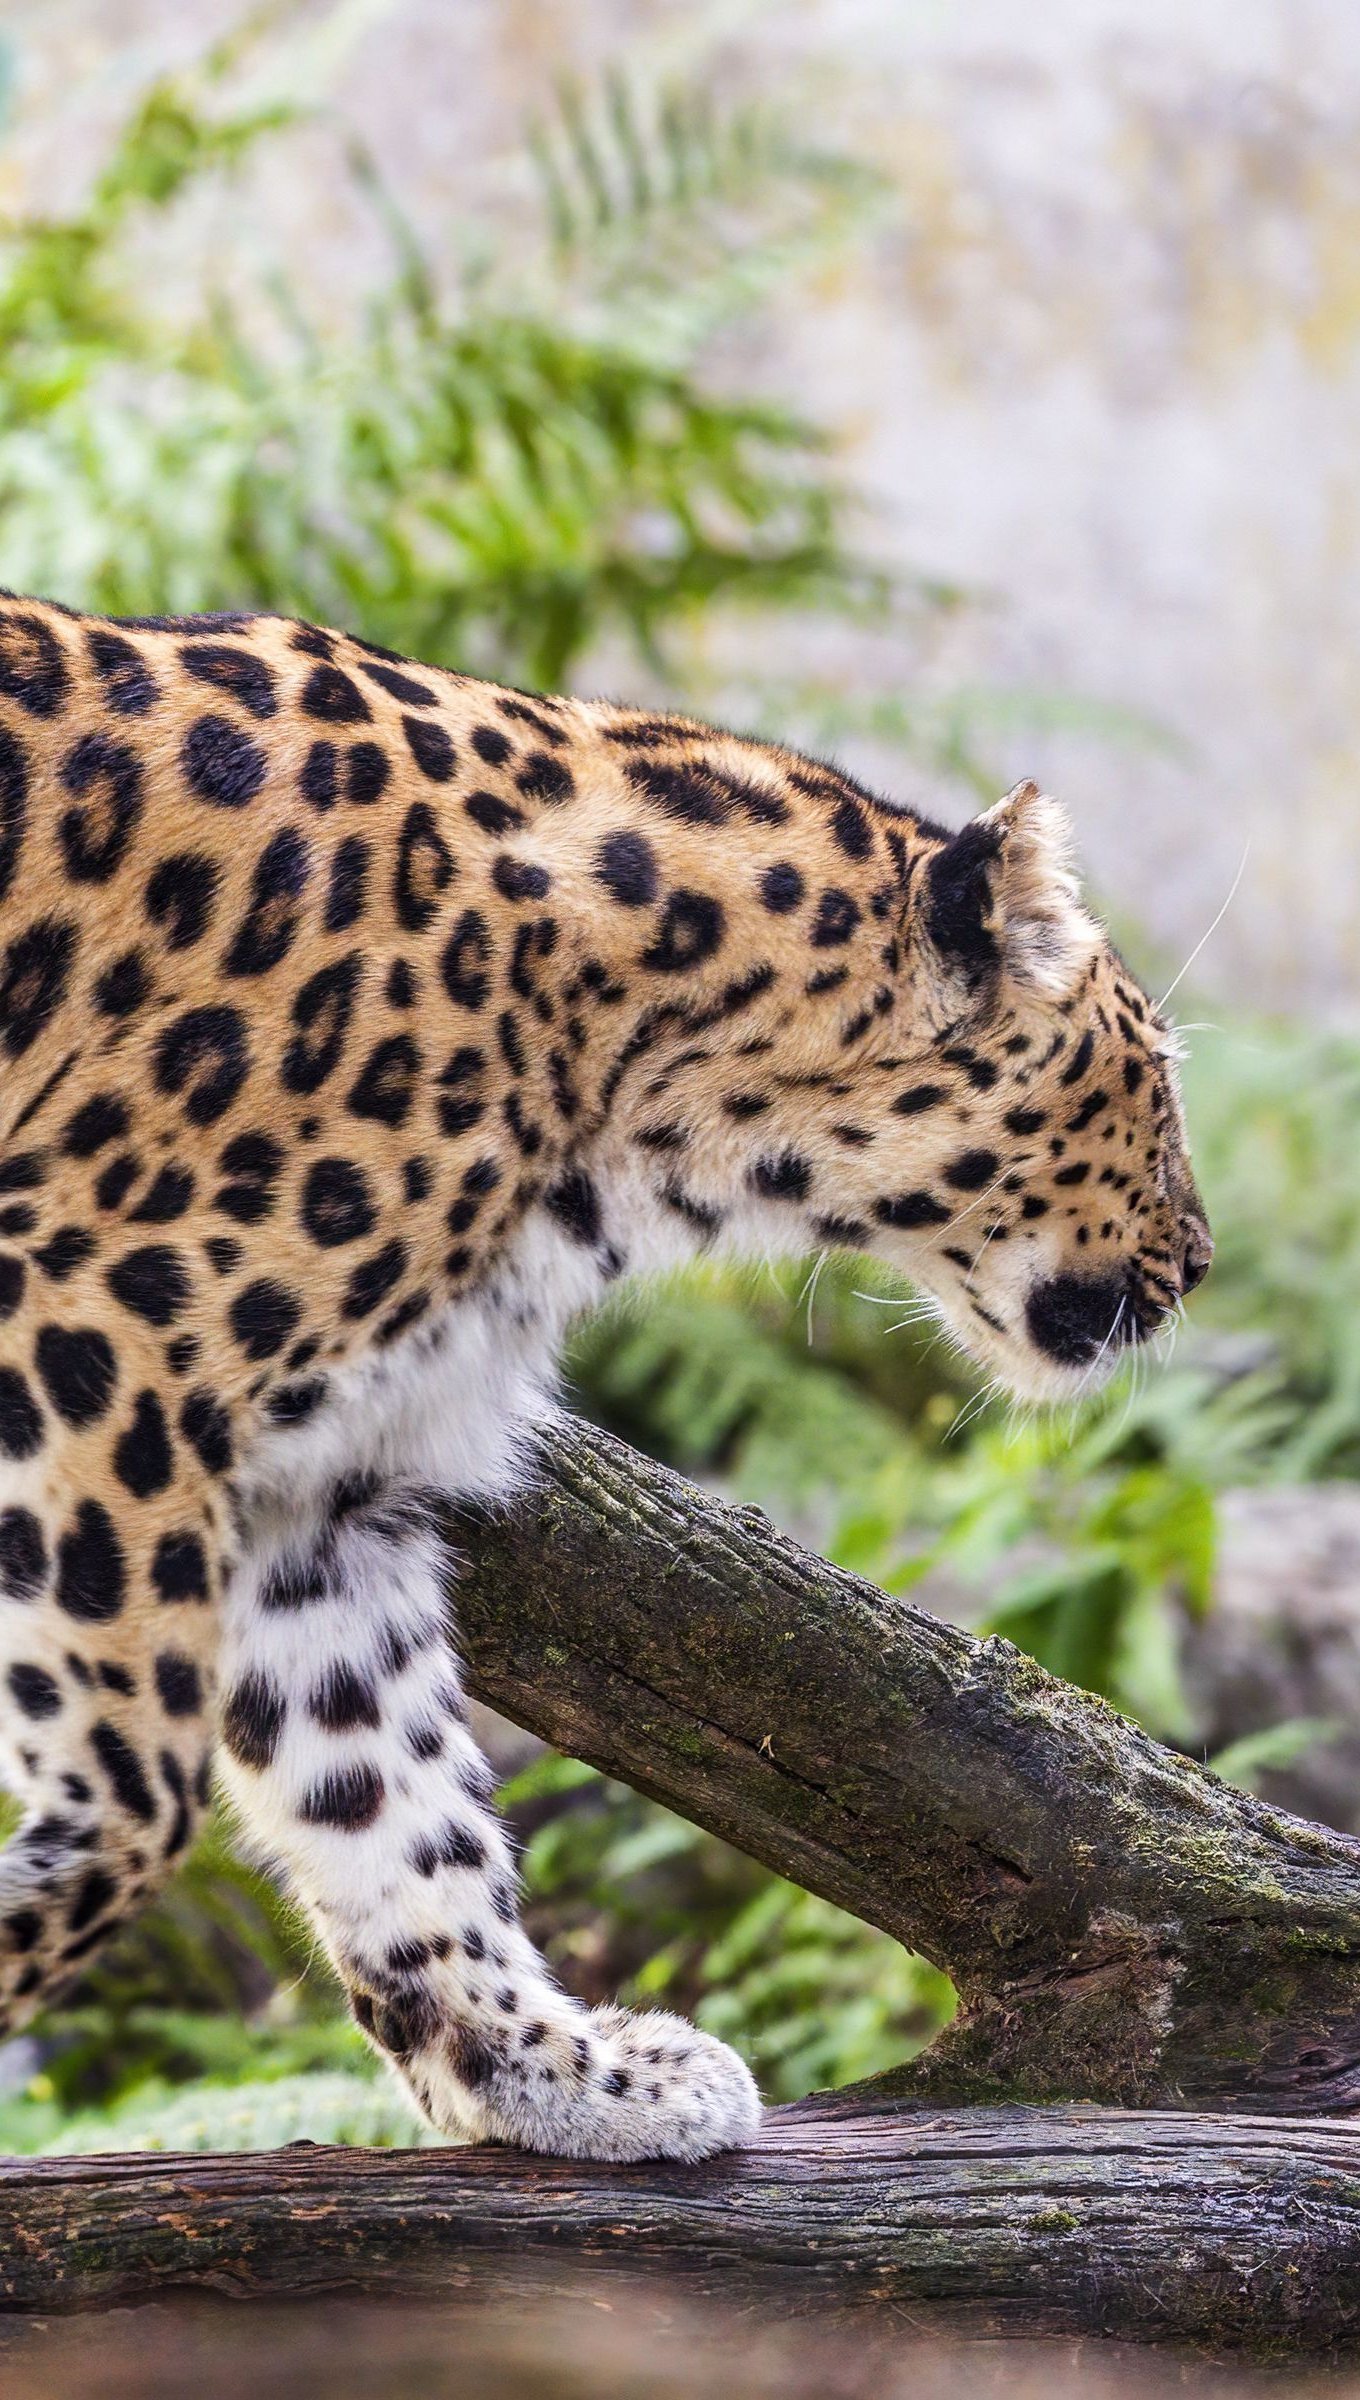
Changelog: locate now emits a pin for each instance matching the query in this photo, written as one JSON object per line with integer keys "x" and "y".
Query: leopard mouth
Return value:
{"x": 1077, "y": 1320}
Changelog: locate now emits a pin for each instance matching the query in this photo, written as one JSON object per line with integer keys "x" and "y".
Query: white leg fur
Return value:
{"x": 347, "y": 1754}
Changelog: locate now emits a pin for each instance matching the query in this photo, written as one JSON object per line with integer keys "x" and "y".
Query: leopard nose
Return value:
{"x": 1197, "y": 1255}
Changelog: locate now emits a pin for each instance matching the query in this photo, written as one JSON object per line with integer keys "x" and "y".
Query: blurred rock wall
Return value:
{"x": 1098, "y": 359}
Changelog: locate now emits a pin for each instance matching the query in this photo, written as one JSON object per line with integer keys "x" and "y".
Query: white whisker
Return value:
{"x": 924, "y": 1316}
{"x": 809, "y": 1290}
{"x": 1095, "y": 1363}
{"x": 993, "y": 1229}
{"x": 1134, "y": 1393}
{"x": 984, "y": 1194}
{"x": 974, "y": 1407}
{"x": 1212, "y": 929}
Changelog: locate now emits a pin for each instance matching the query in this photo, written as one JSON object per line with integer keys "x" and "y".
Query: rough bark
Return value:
{"x": 1122, "y": 1926}
{"x": 1221, "y": 2230}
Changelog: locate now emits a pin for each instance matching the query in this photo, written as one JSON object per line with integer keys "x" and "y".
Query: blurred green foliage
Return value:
{"x": 498, "y": 475}
{"x": 504, "y": 470}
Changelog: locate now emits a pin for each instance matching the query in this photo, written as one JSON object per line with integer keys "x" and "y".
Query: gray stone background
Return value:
{"x": 1097, "y": 359}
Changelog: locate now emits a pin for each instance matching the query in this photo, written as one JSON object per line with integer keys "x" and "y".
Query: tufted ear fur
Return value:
{"x": 1000, "y": 901}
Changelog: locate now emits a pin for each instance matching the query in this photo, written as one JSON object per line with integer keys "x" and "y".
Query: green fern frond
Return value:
{"x": 619, "y": 158}
{"x": 668, "y": 213}
{"x": 495, "y": 481}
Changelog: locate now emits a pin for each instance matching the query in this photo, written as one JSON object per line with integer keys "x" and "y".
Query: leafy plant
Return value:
{"x": 500, "y": 477}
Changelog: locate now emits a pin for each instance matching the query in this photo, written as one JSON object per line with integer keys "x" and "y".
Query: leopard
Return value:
{"x": 363, "y": 1023}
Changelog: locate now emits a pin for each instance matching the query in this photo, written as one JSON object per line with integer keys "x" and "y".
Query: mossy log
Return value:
{"x": 1226, "y": 2231}
{"x": 1121, "y": 1925}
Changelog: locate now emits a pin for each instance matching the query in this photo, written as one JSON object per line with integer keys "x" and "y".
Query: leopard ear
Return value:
{"x": 1001, "y": 901}
{"x": 1048, "y": 938}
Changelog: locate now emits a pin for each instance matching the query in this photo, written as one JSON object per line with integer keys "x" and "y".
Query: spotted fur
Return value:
{"x": 359, "y": 1024}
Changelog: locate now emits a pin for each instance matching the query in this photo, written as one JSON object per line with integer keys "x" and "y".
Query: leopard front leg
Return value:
{"x": 347, "y": 1753}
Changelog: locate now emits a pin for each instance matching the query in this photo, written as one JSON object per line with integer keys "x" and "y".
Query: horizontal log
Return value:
{"x": 1229, "y": 2231}
{"x": 1122, "y": 1925}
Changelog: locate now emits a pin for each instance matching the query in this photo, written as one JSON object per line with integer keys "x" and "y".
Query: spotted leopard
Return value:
{"x": 361, "y": 1023}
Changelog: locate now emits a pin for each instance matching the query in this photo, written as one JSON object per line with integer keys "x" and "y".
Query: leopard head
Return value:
{"x": 1045, "y": 1196}
{"x": 920, "y": 1044}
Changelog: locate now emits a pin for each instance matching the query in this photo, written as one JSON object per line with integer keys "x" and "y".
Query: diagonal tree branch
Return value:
{"x": 1122, "y": 1926}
